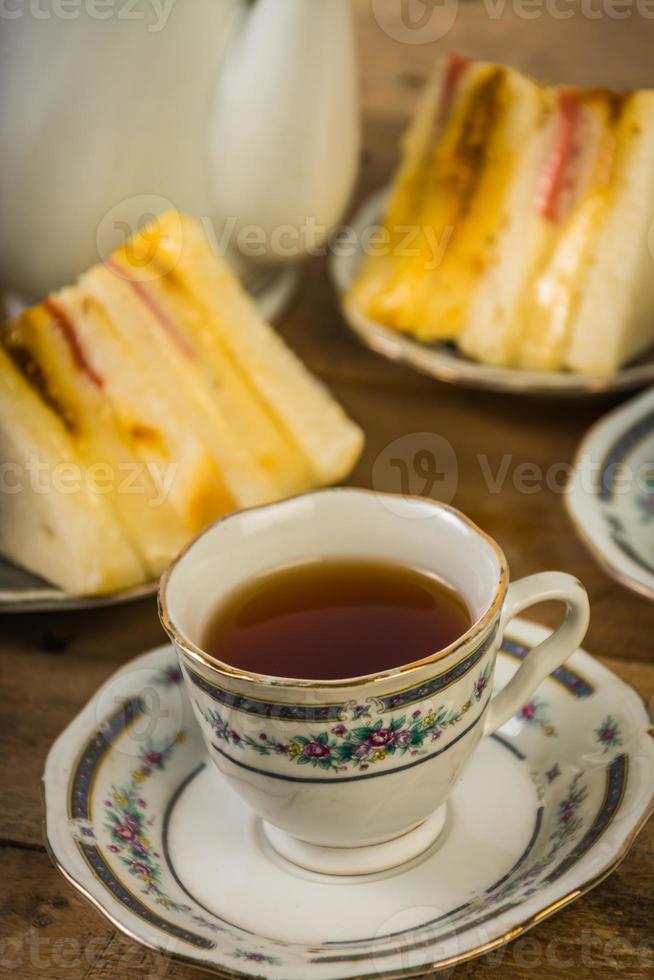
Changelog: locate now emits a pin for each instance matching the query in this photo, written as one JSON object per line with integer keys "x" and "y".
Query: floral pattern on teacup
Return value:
{"x": 342, "y": 748}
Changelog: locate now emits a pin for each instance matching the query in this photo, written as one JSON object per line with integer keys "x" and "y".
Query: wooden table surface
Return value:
{"x": 51, "y": 664}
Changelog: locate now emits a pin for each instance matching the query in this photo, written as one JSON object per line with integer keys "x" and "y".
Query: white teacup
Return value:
{"x": 351, "y": 775}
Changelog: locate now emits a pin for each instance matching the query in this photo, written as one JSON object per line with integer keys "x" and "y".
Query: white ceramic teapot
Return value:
{"x": 241, "y": 112}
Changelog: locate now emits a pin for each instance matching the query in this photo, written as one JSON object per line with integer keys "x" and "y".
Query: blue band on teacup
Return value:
{"x": 336, "y": 712}
{"x": 359, "y": 746}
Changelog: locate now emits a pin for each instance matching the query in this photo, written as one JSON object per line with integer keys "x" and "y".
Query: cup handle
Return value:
{"x": 553, "y": 651}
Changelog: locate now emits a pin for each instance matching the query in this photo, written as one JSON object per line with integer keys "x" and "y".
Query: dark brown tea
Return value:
{"x": 331, "y": 619}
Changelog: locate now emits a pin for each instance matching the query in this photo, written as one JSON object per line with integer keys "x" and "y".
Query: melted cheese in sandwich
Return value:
{"x": 446, "y": 210}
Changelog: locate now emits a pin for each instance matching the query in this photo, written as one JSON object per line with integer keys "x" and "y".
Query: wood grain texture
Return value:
{"x": 51, "y": 665}
{"x": 47, "y": 931}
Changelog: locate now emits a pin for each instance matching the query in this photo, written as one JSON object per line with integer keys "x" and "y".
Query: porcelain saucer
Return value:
{"x": 611, "y": 498}
{"x": 443, "y": 361}
{"x": 140, "y": 822}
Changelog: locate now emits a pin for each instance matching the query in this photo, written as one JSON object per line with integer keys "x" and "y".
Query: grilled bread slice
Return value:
{"x": 613, "y": 321}
{"x": 162, "y": 374}
{"x": 136, "y": 487}
{"x": 288, "y": 422}
{"x": 536, "y": 202}
{"x": 53, "y": 520}
{"x": 471, "y": 162}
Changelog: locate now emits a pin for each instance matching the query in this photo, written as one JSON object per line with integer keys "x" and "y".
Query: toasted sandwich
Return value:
{"x": 157, "y": 367}
{"x": 53, "y": 521}
{"x": 530, "y": 209}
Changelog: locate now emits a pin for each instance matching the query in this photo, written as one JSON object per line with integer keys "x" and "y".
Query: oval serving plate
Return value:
{"x": 611, "y": 493}
{"x": 20, "y": 591}
{"x": 443, "y": 361}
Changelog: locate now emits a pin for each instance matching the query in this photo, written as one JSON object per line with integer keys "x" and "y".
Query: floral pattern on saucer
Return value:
{"x": 536, "y": 713}
{"x": 242, "y": 954}
{"x": 341, "y": 748}
{"x": 608, "y": 734}
{"x": 127, "y": 823}
{"x": 569, "y": 822}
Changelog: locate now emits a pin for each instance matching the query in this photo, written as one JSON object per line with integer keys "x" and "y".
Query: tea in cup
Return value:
{"x": 339, "y": 649}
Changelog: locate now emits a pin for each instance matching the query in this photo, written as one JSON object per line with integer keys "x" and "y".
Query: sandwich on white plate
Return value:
{"x": 520, "y": 223}
{"x": 158, "y": 384}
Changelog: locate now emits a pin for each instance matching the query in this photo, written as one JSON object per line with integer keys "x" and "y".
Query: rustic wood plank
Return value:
{"x": 51, "y": 665}
{"x": 48, "y": 931}
{"x": 572, "y": 46}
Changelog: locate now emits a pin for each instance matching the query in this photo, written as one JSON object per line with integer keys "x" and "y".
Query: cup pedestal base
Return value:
{"x": 358, "y": 860}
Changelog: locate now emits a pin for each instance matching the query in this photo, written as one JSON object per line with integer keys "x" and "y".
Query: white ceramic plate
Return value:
{"x": 20, "y": 591}
{"x": 444, "y": 361}
{"x": 611, "y": 493}
{"x": 140, "y": 822}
